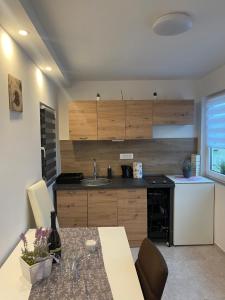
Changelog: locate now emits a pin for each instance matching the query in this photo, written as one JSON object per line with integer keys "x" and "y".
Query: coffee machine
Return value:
{"x": 127, "y": 171}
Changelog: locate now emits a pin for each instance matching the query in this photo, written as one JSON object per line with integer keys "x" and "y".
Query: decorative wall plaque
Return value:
{"x": 15, "y": 94}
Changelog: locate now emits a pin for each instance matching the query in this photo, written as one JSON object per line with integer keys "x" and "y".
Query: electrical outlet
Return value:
{"x": 126, "y": 156}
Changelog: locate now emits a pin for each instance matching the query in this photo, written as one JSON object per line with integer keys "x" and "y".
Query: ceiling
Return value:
{"x": 113, "y": 39}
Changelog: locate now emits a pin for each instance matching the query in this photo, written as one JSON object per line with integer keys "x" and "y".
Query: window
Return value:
{"x": 48, "y": 144}
{"x": 215, "y": 136}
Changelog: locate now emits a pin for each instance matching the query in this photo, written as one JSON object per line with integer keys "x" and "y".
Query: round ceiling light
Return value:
{"x": 49, "y": 69}
{"x": 23, "y": 32}
{"x": 172, "y": 24}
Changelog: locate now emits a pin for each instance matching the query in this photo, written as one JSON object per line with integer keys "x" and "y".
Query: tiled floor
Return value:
{"x": 195, "y": 272}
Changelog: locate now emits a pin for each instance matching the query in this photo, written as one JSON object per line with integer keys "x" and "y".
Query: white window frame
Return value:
{"x": 212, "y": 174}
{"x": 209, "y": 172}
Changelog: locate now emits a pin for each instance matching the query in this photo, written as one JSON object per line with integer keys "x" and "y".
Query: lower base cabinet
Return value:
{"x": 72, "y": 208}
{"x": 102, "y": 208}
{"x": 105, "y": 207}
{"x": 132, "y": 214}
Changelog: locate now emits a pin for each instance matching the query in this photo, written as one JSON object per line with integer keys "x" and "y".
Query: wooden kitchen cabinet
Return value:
{"x": 102, "y": 208}
{"x": 83, "y": 120}
{"x": 111, "y": 120}
{"x": 130, "y": 119}
{"x": 173, "y": 112}
{"x": 139, "y": 119}
{"x": 132, "y": 214}
{"x": 72, "y": 208}
{"x": 105, "y": 207}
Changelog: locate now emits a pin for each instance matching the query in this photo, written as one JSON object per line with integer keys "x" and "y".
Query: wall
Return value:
{"x": 214, "y": 82}
{"x": 159, "y": 156}
{"x": 138, "y": 90}
{"x": 220, "y": 216}
{"x": 20, "y": 159}
{"x": 210, "y": 84}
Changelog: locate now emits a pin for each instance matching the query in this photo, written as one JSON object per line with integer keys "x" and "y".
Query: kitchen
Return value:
{"x": 156, "y": 120}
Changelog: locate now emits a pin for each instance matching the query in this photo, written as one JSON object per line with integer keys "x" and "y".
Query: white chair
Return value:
{"x": 41, "y": 204}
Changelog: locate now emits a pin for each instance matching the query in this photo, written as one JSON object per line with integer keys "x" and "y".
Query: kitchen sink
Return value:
{"x": 96, "y": 181}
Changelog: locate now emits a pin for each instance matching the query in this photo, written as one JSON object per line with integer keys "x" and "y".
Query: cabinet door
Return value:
{"x": 132, "y": 214}
{"x": 111, "y": 120}
{"x": 72, "y": 208}
{"x": 102, "y": 208}
{"x": 173, "y": 112}
{"x": 138, "y": 119}
{"x": 193, "y": 214}
{"x": 83, "y": 120}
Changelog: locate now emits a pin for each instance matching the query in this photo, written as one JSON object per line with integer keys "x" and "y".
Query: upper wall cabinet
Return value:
{"x": 130, "y": 120}
{"x": 83, "y": 120}
{"x": 111, "y": 120}
{"x": 139, "y": 119}
{"x": 173, "y": 112}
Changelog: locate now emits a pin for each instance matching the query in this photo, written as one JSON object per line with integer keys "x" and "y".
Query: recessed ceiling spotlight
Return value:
{"x": 48, "y": 69}
{"x": 23, "y": 32}
{"x": 172, "y": 24}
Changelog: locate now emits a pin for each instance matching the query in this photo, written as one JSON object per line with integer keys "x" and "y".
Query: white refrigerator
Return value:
{"x": 193, "y": 211}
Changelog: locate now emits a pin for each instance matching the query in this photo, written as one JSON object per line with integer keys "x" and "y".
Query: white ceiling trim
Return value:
{"x": 13, "y": 17}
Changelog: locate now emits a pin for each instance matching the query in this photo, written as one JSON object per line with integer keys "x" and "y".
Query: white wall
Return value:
{"x": 214, "y": 82}
{"x": 20, "y": 159}
{"x": 220, "y": 216}
{"x": 210, "y": 84}
{"x": 136, "y": 89}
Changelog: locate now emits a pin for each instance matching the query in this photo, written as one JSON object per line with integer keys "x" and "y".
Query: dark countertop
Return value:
{"x": 117, "y": 183}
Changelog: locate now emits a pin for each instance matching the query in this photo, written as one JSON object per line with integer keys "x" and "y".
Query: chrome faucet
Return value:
{"x": 94, "y": 169}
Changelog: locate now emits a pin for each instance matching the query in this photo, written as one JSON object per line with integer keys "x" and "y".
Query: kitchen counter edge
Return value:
{"x": 117, "y": 183}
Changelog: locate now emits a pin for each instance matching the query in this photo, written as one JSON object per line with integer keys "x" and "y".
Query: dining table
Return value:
{"x": 118, "y": 266}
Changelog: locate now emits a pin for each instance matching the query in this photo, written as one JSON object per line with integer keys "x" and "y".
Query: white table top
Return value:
{"x": 117, "y": 258}
{"x": 194, "y": 179}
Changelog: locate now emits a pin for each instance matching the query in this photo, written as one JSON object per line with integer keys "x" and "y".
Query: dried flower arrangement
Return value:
{"x": 40, "y": 250}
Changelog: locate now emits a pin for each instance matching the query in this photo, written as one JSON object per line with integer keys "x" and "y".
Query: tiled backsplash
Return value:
{"x": 159, "y": 156}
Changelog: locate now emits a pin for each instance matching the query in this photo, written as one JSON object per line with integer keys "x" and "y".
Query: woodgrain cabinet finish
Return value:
{"x": 83, "y": 120}
{"x": 132, "y": 214}
{"x": 102, "y": 208}
{"x": 111, "y": 120}
{"x": 105, "y": 207}
{"x": 173, "y": 112}
{"x": 131, "y": 119}
{"x": 139, "y": 119}
{"x": 72, "y": 208}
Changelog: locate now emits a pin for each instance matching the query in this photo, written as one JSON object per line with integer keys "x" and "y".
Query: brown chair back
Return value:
{"x": 152, "y": 270}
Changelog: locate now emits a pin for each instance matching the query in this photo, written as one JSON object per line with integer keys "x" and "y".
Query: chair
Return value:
{"x": 152, "y": 270}
{"x": 41, "y": 204}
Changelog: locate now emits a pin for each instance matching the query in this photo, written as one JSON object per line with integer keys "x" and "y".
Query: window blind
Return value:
{"x": 48, "y": 144}
{"x": 215, "y": 121}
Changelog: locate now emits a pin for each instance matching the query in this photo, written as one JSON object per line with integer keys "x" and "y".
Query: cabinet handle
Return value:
{"x": 83, "y": 138}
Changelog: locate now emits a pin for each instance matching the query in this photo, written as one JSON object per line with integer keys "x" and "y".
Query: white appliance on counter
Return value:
{"x": 193, "y": 210}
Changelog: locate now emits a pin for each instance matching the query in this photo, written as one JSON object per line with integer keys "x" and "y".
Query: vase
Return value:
{"x": 187, "y": 173}
{"x": 37, "y": 271}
